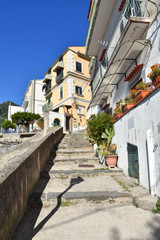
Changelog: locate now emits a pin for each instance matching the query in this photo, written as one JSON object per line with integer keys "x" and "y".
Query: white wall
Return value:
{"x": 53, "y": 115}
{"x": 34, "y": 98}
{"x": 14, "y": 109}
{"x": 39, "y": 97}
{"x": 132, "y": 128}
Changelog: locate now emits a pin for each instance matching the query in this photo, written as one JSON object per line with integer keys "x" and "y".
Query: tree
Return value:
{"x": 21, "y": 118}
{"x": 8, "y": 124}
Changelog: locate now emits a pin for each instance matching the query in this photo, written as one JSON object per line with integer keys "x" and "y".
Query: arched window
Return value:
{"x": 56, "y": 122}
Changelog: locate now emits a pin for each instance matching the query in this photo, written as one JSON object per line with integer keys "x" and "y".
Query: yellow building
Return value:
{"x": 67, "y": 90}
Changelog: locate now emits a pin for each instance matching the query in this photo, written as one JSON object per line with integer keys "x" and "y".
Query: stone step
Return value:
{"x": 80, "y": 160}
{"x": 74, "y": 155}
{"x": 75, "y": 151}
{"x": 75, "y": 173}
{"x": 37, "y": 199}
{"x": 69, "y": 145}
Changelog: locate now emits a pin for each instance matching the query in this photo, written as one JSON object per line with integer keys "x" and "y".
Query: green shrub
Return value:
{"x": 8, "y": 124}
{"x": 97, "y": 124}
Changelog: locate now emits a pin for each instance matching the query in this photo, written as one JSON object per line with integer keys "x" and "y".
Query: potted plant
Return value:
{"x": 129, "y": 103}
{"x": 109, "y": 150}
{"x": 117, "y": 113}
{"x": 119, "y": 103}
{"x": 154, "y": 75}
{"x": 142, "y": 91}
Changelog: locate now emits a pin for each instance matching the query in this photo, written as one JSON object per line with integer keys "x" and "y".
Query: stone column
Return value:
{"x": 46, "y": 122}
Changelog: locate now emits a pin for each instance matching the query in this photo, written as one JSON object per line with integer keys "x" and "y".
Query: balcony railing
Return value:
{"x": 132, "y": 8}
{"x": 47, "y": 107}
{"x": 96, "y": 80}
{"x": 59, "y": 78}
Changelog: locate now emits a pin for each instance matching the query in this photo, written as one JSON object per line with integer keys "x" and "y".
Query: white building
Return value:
{"x": 13, "y": 109}
{"x": 34, "y": 99}
{"x": 123, "y": 38}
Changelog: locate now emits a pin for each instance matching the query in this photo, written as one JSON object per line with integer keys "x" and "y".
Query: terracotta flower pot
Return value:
{"x": 127, "y": 107}
{"x": 111, "y": 161}
{"x": 156, "y": 80}
{"x": 141, "y": 95}
{"x": 117, "y": 116}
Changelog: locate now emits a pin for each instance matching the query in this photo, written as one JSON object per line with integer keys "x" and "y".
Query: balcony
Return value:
{"x": 133, "y": 10}
{"x": 124, "y": 47}
{"x": 47, "y": 77}
{"x": 47, "y": 107}
{"x": 47, "y": 86}
{"x": 58, "y": 65}
{"x": 133, "y": 22}
{"x": 59, "y": 77}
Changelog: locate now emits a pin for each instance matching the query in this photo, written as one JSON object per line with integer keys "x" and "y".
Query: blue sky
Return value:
{"x": 33, "y": 34}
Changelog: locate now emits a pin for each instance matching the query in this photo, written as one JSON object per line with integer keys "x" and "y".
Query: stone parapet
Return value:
{"x": 18, "y": 179}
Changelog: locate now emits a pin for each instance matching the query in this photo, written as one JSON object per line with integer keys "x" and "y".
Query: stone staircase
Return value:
{"x": 74, "y": 183}
{"x": 75, "y": 190}
{"x": 74, "y": 173}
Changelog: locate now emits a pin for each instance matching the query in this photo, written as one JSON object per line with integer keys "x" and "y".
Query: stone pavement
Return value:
{"x": 78, "y": 198}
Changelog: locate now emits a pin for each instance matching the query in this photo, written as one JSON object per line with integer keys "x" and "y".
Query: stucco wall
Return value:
{"x": 132, "y": 128}
{"x": 18, "y": 179}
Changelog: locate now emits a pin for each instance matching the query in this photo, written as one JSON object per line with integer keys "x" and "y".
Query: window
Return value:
{"x": 80, "y": 110}
{"x": 49, "y": 100}
{"x": 61, "y": 92}
{"x": 78, "y": 66}
{"x": 78, "y": 90}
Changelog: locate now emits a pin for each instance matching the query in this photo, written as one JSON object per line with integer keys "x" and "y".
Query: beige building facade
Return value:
{"x": 67, "y": 90}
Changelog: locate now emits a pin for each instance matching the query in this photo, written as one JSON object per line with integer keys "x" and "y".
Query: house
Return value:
{"x": 34, "y": 99}
{"x": 12, "y": 110}
{"x": 123, "y": 42}
{"x": 67, "y": 91}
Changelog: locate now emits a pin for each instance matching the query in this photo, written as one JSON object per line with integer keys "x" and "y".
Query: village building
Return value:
{"x": 123, "y": 41}
{"x": 67, "y": 91}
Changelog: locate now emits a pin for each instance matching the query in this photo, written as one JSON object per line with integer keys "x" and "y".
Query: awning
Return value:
{"x": 47, "y": 77}
{"x": 123, "y": 58}
{"x": 105, "y": 106}
{"x": 58, "y": 65}
{"x": 134, "y": 70}
{"x": 121, "y": 5}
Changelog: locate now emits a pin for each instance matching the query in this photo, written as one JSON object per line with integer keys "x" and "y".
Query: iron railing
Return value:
{"x": 47, "y": 107}
{"x": 132, "y": 8}
{"x": 59, "y": 78}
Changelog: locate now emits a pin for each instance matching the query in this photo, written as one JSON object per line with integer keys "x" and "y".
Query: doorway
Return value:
{"x": 68, "y": 123}
{"x": 133, "y": 164}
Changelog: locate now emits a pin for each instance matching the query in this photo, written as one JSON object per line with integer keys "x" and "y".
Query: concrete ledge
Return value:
{"x": 18, "y": 179}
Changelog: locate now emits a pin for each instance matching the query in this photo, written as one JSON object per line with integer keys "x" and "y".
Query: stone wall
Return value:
{"x": 18, "y": 179}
